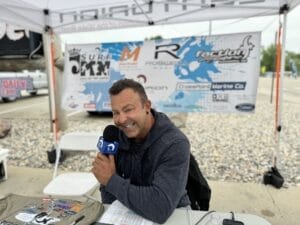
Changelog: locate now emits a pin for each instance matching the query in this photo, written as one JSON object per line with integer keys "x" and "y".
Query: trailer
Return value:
{"x": 12, "y": 83}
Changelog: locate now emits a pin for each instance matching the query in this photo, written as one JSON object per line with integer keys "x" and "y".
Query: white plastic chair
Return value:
{"x": 73, "y": 183}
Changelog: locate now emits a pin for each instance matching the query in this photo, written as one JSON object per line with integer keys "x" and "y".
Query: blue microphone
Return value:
{"x": 108, "y": 143}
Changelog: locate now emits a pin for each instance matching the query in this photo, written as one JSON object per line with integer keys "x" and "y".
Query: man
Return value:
{"x": 149, "y": 172}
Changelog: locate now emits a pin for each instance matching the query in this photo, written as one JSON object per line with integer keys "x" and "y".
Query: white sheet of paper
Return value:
{"x": 118, "y": 214}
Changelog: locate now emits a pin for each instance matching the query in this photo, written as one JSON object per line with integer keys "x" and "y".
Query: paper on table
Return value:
{"x": 118, "y": 214}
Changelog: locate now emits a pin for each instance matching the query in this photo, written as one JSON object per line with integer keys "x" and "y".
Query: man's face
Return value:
{"x": 130, "y": 114}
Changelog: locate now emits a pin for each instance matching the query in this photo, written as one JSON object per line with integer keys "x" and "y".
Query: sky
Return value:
{"x": 268, "y": 25}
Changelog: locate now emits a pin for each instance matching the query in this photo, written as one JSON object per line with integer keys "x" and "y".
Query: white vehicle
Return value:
{"x": 12, "y": 83}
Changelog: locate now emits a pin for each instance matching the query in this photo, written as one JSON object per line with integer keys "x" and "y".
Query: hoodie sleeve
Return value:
{"x": 157, "y": 201}
{"x": 106, "y": 197}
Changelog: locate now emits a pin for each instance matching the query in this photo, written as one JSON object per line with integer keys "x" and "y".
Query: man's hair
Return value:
{"x": 122, "y": 84}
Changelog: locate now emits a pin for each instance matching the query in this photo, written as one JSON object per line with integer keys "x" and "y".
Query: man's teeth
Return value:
{"x": 129, "y": 125}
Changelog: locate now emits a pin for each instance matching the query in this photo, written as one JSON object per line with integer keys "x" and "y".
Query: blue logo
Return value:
{"x": 108, "y": 148}
{"x": 245, "y": 107}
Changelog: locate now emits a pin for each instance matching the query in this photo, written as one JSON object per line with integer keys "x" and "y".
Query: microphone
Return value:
{"x": 108, "y": 143}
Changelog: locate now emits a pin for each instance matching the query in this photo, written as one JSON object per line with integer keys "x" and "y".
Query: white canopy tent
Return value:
{"x": 48, "y": 16}
{"x": 71, "y": 16}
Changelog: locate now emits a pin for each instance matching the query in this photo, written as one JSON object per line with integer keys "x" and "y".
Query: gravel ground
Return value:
{"x": 228, "y": 147}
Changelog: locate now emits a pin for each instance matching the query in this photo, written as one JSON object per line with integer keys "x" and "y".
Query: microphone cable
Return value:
{"x": 205, "y": 215}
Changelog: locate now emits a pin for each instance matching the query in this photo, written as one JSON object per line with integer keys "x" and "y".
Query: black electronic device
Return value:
{"x": 232, "y": 222}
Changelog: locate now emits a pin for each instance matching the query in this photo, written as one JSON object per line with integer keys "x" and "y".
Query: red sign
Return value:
{"x": 14, "y": 83}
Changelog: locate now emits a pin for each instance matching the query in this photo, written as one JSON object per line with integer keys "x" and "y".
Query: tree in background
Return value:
{"x": 269, "y": 56}
{"x": 157, "y": 37}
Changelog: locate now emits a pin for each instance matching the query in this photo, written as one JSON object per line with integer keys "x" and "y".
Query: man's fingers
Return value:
{"x": 95, "y": 162}
{"x": 111, "y": 158}
{"x": 102, "y": 157}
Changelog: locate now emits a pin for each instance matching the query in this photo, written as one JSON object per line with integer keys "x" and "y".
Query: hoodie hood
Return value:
{"x": 161, "y": 124}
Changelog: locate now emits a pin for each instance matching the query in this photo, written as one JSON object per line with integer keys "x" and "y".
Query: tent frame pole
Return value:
{"x": 48, "y": 38}
{"x": 280, "y": 92}
{"x": 49, "y": 58}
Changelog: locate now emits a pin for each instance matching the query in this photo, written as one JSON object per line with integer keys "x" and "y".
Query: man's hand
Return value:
{"x": 104, "y": 167}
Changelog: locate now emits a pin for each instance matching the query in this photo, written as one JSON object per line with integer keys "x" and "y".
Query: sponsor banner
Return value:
{"x": 217, "y": 73}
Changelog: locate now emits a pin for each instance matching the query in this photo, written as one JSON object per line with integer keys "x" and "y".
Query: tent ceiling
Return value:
{"x": 77, "y": 15}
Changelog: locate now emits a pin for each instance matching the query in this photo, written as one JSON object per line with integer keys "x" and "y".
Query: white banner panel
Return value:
{"x": 217, "y": 73}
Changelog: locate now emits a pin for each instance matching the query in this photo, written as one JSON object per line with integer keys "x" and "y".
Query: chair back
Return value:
{"x": 197, "y": 187}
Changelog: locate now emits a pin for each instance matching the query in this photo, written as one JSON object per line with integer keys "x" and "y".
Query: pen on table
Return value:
{"x": 77, "y": 220}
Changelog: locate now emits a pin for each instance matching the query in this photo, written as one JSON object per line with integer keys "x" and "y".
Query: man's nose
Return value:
{"x": 121, "y": 118}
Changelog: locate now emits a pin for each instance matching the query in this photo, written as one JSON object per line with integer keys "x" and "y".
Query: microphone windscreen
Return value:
{"x": 111, "y": 133}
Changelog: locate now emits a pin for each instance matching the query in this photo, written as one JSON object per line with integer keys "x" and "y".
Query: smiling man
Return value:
{"x": 149, "y": 172}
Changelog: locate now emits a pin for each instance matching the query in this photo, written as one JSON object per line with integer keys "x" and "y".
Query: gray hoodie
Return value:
{"x": 151, "y": 176}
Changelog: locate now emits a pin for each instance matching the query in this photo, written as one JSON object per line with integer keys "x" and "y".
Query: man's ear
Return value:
{"x": 148, "y": 105}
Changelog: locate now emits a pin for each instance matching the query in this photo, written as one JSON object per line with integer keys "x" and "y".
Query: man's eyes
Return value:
{"x": 115, "y": 113}
{"x": 124, "y": 110}
{"x": 128, "y": 110}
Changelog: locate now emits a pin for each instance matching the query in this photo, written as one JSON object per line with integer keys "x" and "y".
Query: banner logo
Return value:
{"x": 106, "y": 147}
{"x": 220, "y": 97}
{"x": 245, "y": 107}
{"x": 88, "y": 65}
{"x": 228, "y": 86}
{"x": 126, "y": 54}
{"x": 239, "y": 55}
{"x": 142, "y": 78}
{"x": 164, "y": 50}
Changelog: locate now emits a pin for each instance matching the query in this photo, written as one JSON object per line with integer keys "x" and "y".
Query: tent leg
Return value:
{"x": 280, "y": 92}
{"x": 273, "y": 176}
{"x": 49, "y": 57}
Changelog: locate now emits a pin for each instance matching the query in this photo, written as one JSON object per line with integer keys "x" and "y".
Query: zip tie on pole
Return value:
{"x": 279, "y": 128}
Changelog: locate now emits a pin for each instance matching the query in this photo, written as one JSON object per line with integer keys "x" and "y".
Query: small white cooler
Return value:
{"x": 3, "y": 164}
